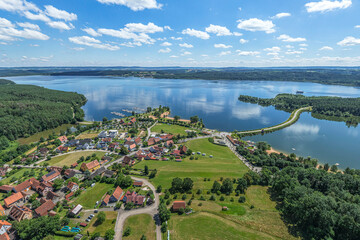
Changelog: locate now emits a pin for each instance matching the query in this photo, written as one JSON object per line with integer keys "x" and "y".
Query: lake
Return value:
{"x": 216, "y": 102}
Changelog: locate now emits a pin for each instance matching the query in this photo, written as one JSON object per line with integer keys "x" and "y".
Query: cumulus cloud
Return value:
{"x": 142, "y": 28}
{"x": 218, "y": 30}
{"x": 176, "y": 38}
{"x": 281, "y": 15}
{"x": 166, "y": 44}
{"x": 327, "y": 5}
{"x": 60, "y": 25}
{"x": 289, "y": 52}
{"x": 224, "y": 53}
{"x": 357, "y": 26}
{"x": 17, "y": 5}
{"x": 273, "y": 49}
{"x": 135, "y": 5}
{"x": 220, "y": 45}
{"x": 287, "y": 38}
{"x": 125, "y": 34}
{"x": 196, "y": 33}
{"x": 91, "y": 32}
{"x": 36, "y": 17}
{"x": 9, "y": 32}
{"x": 349, "y": 41}
{"x": 247, "y": 53}
{"x": 255, "y": 24}
{"x": 28, "y": 25}
{"x": 326, "y": 48}
{"x": 243, "y": 41}
{"x": 59, "y": 14}
{"x": 92, "y": 42}
{"x": 186, "y": 53}
{"x": 166, "y": 50}
{"x": 185, "y": 45}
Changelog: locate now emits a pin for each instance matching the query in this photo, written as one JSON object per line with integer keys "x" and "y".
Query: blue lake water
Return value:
{"x": 216, "y": 102}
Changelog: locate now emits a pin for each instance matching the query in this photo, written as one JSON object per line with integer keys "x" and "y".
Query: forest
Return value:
{"x": 330, "y": 108}
{"x": 27, "y": 109}
{"x": 314, "y": 203}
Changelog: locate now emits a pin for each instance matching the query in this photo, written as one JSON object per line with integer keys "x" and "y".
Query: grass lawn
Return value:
{"x": 102, "y": 228}
{"x": 89, "y": 197}
{"x": 45, "y": 134}
{"x": 71, "y": 158}
{"x": 87, "y": 135}
{"x": 19, "y": 175}
{"x": 142, "y": 224}
{"x": 173, "y": 129}
{"x": 223, "y": 164}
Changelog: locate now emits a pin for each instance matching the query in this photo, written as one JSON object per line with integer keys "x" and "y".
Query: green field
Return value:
{"x": 45, "y": 134}
{"x": 102, "y": 228}
{"x": 173, "y": 129}
{"x": 239, "y": 222}
{"x": 223, "y": 164}
{"x": 89, "y": 197}
{"x": 142, "y": 224}
{"x": 71, "y": 158}
{"x": 19, "y": 175}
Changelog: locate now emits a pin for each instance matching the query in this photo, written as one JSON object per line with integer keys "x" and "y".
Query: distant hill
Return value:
{"x": 6, "y": 82}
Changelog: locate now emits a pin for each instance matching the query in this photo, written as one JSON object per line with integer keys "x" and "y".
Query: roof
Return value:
{"x": 138, "y": 183}
{"x": 13, "y": 198}
{"x": 117, "y": 193}
{"x": 17, "y": 212}
{"x": 178, "y": 204}
{"x": 6, "y": 188}
{"x": 76, "y": 209}
{"x": 91, "y": 165}
{"x": 132, "y": 146}
{"x": 106, "y": 199}
{"x": 69, "y": 195}
{"x": 1, "y": 208}
{"x": 71, "y": 185}
{"x": 51, "y": 175}
{"x": 45, "y": 208}
{"x": 22, "y": 186}
{"x": 4, "y": 236}
{"x": 63, "y": 138}
{"x": 3, "y": 222}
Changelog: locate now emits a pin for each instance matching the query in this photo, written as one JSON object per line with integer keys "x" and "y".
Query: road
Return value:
{"x": 151, "y": 210}
{"x": 149, "y": 130}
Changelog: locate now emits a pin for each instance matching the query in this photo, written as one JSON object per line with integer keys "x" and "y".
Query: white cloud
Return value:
{"x": 185, "y": 45}
{"x": 326, "y": 5}
{"x": 243, "y": 41}
{"x": 357, "y": 26}
{"x": 287, "y": 38}
{"x": 174, "y": 56}
{"x": 289, "y": 46}
{"x": 59, "y": 14}
{"x": 92, "y": 42}
{"x": 273, "y": 49}
{"x": 5, "y": 23}
{"x": 237, "y": 34}
{"x": 218, "y": 30}
{"x": 281, "y": 15}
{"x": 131, "y": 44}
{"x": 303, "y": 45}
{"x": 293, "y": 52}
{"x": 168, "y": 28}
{"x": 8, "y": 32}
{"x": 204, "y": 55}
{"x": 17, "y": 5}
{"x": 176, "y": 38}
{"x": 91, "y": 32}
{"x": 166, "y": 44}
{"x": 247, "y": 53}
{"x": 78, "y": 48}
{"x": 186, "y": 53}
{"x": 28, "y": 25}
{"x": 40, "y": 16}
{"x": 125, "y": 34}
{"x": 60, "y": 25}
{"x": 349, "y": 41}
{"x": 224, "y": 53}
{"x": 142, "y": 28}
{"x": 135, "y": 5}
{"x": 196, "y": 33}
{"x": 255, "y": 24}
{"x": 220, "y": 45}
{"x": 326, "y": 48}
{"x": 166, "y": 50}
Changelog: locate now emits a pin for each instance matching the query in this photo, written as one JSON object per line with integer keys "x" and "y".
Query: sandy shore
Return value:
{"x": 272, "y": 150}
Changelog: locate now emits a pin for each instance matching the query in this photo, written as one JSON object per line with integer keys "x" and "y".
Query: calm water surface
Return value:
{"x": 217, "y": 104}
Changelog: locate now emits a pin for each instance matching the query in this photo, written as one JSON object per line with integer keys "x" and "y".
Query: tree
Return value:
{"x": 334, "y": 168}
{"x": 100, "y": 218}
{"x": 227, "y": 186}
{"x": 187, "y": 184}
{"x": 146, "y": 170}
{"x": 242, "y": 199}
{"x": 58, "y": 183}
{"x": 242, "y": 185}
{"x": 159, "y": 189}
{"x": 216, "y": 187}
{"x": 164, "y": 213}
{"x": 35, "y": 204}
{"x": 176, "y": 185}
{"x": 105, "y": 119}
{"x": 194, "y": 119}
{"x": 37, "y": 228}
{"x": 176, "y": 118}
{"x": 143, "y": 237}
{"x": 163, "y": 227}
{"x": 326, "y": 167}
{"x": 4, "y": 142}
{"x": 127, "y": 232}
{"x": 109, "y": 234}
{"x": 65, "y": 221}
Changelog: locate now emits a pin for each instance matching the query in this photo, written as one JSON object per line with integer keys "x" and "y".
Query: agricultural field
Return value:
{"x": 45, "y": 134}
{"x": 223, "y": 164}
{"x": 173, "y": 129}
{"x": 91, "y": 195}
{"x": 68, "y": 159}
{"x": 142, "y": 224}
{"x": 241, "y": 221}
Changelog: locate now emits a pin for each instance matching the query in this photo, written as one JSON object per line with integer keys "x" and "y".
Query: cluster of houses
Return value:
{"x": 162, "y": 138}
{"x": 251, "y": 145}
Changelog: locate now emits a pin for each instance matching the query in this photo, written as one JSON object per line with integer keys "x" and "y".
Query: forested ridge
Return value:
{"x": 27, "y": 109}
{"x": 331, "y": 108}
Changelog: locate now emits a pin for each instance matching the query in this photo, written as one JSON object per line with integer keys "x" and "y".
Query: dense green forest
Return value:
{"x": 6, "y": 82}
{"x": 27, "y": 109}
{"x": 331, "y": 108}
{"x": 334, "y": 76}
{"x": 314, "y": 203}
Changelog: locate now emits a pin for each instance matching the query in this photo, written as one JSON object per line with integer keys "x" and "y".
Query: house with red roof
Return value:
{"x": 63, "y": 139}
{"x": 134, "y": 198}
{"x": 23, "y": 187}
{"x": 183, "y": 149}
{"x": 177, "y": 205}
{"x": 51, "y": 176}
{"x": 169, "y": 143}
{"x": 62, "y": 149}
{"x": 115, "y": 197}
{"x": 127, "y": 161}
{"x": 45, "y": 208}
{"x": 2, "y": 211}
{"x": 106, "y": 200}
{"x": 91, "y": 166}
{"x": 72, "y": 186}
{"x": 5, "y": 227}
{"x": 15, "y": 198}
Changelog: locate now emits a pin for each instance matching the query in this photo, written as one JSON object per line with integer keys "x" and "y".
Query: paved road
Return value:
{"x": 149, "y": 130}
{"x": 151, "y": 210}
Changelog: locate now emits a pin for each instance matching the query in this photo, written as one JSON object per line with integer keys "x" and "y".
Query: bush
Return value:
{"x": 222, "y": 198}
{"x": 127, "y": 232}
{"x": 181, "y": 211}
{"x": 242, "y": 199}
{"x": 252, "y": 206}
{"x": 163, "y": 227}
{"x": 65, "y": 234}
{"x": 212, "y": 198}
{"x": 198, "y": 191}
{"x": 184, "y": 197}
{"x": 202, "y": 198}
{"x": 200, "y": 204}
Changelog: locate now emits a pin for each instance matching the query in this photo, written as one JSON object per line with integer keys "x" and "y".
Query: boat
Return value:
{"x": 337, "y": 164}
{"x": 293, "y": 149}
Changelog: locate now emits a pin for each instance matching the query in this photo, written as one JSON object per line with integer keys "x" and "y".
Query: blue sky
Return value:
{"x": 203, "y": 33}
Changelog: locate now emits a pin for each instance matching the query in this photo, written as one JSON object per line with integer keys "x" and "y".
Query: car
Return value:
{"x": 96, "y": 211}
{"x": 88, "y": 220}
{"x": 92, "y": 215}
{"x": 78, "y": 216}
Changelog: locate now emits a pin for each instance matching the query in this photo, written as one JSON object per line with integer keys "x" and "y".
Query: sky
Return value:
{"x": 187, "y": 33}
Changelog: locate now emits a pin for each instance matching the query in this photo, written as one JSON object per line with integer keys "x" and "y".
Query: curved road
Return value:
{"x": 151, "y": 210}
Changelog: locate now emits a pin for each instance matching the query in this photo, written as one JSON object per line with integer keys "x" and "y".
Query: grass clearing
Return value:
{"x": 19, "y": 175}
{"x": 173, "y": 129}
{"x": 68, "y": 159}
{"x": 87, "y": 135}
{"x": 89, "y": 197}
{"x": 108, "y": 224}
{"x": 223, "y": 164}
{"x": 142, "y": 224}
{"x": 45, "y": 134}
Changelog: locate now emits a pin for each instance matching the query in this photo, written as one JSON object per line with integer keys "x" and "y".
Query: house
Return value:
{"x": 233, "y": 142}
{"x": 41, "y": 187}
{"x": 4, "y": 229}
{"x": 44, "y": 208}
{"x": 73, "y": 187}
{"x": 113, "y": 133}
{"x": 51, "y": 176}
{"x": 73, "y": 142}
{"x": 68, "y": 196}
{"x": 97, "y": 172}
{"x": 176, "y": 153}
{"x": 183, "y": 149}
{"x": 132, "y": 121}
{"x": 153, "y": 141}
{"x": 169, "y": 143}
{"x": 141, "y": 154}
{"x": 3, "y": 171}
{"x": 75, "y": 211}
{"x": 15, "y": 198}
{"x": 74, "y": 165}
{"x": 115, "y": 197}
{"x": 134, "y": 198}
{"x": 52, "y": 196}
{"x": 63, "y": 139}
{"x": 2, "y": 211}
{"x": 6, "y": 188}
{"x": 91, "y": 166}
{"x": 20, "y": 213}
{"x": 108, "y": 173}
{"x": 177, "y": 205}
{"x": 150, "y": 156}
{"x": 69, "y": 173}
{"x": 62, "y": 149}
{"x": 23, "y": 187}
{"x": 103, "y": 134}
{"x": 106, "y": 200}
{"x": 132, "y": 147}
{"x": 137, "y": 140}
{"x": 43, "y": 151}
{"x": 84, "y": 144}
{"x": 137, "y": 184}
{"x": 128, "y": 161}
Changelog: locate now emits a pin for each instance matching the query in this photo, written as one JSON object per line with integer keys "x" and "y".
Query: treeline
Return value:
{"x": 26, "y": 109}
{"x": 6, "y": 82}
{"x": 331, "y": 108}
